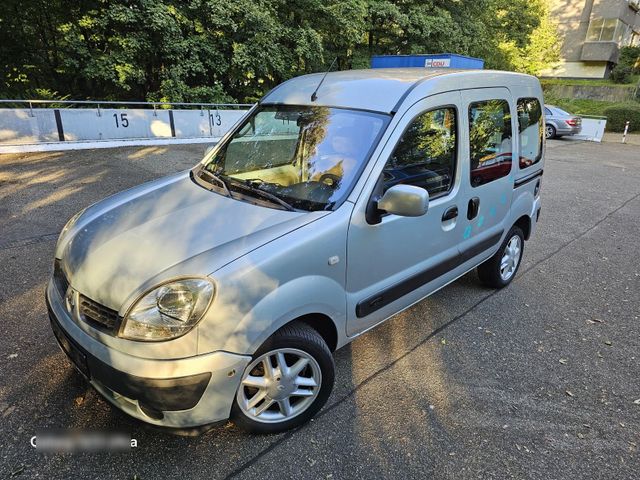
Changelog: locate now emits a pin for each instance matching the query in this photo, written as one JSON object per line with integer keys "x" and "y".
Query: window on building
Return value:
{"x": 608, "y": 30}
{"x": 621, "y": 37}
{"x": 426, "y": 153}
{"x": 595, "y": 28}
{"x": 490, "y": 141}
{"x": 531, "y": 130}
{"x": 631, "y": 37}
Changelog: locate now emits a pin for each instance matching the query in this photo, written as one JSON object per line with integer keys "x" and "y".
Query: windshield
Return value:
{"x": 306, "y": 157}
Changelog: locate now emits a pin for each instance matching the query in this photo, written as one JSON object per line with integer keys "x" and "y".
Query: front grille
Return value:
{"x": 91, "y": 312}
{"x": 99, "y": 315}
{"x": 60, "y": 279}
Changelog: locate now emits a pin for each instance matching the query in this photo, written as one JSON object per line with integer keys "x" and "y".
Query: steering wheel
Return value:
{"x": 330, "y": 179}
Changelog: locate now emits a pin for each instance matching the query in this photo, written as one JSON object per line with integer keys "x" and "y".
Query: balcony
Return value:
{"x": 600, "y": 52}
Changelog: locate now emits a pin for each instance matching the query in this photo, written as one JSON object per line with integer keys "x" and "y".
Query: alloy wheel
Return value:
{"x": 510, "y": 258}
{"x": 549, "y": 131}
{"x": 279, "y": 385}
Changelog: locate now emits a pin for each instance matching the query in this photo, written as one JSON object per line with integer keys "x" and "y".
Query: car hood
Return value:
{"x": 171, "y": 227}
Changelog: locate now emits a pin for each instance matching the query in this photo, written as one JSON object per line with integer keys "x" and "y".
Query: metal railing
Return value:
{"x": 36, "y": 122}
{"x": 99, "y": 103}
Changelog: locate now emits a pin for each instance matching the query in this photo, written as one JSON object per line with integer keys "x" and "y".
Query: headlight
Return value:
{"x": 168, "y": 311}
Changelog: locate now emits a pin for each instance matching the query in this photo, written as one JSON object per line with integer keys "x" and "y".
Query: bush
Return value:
{"x": 621, "y": 74}
{"x": 630, "y": 57}
{"x": 618, "y": 115}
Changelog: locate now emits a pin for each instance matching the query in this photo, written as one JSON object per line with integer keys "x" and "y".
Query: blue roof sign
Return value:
{"x": 441, "y": 60}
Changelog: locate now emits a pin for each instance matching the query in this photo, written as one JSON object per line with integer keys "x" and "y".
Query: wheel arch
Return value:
{"x": 321, "y": 323}
{"x": 524, "y": 222}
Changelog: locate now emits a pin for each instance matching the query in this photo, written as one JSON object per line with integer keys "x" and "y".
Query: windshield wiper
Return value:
{"x": 247, "y": 185}
{"x": 220, "y": 181}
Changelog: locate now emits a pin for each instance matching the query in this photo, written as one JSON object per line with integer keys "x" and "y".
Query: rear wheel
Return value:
{"x": 549, "y": 131}
{"x": 287, "y": 382}
{"x": 500, "y": 270}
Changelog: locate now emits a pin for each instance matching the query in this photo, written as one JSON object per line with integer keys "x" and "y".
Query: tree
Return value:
{"x": 530, "y": 47}
{"x": 212, "y": 51}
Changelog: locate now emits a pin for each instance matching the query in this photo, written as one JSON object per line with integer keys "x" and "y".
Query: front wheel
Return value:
{"x": 499, "y": 270}
{"x": 287, "y": 382}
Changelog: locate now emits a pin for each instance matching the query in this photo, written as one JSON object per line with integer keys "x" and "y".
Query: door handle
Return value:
{"x": 474, "y": 208}
{"x": 450, "y": 213}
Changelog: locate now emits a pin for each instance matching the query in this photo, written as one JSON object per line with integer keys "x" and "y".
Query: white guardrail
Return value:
{"x": 39, "y": 129}
{"x": 592, "y": 129}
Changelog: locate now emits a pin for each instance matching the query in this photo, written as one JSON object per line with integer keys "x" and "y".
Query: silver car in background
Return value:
{"x": 559, "y": 123}
{"x": 335, "y": 203}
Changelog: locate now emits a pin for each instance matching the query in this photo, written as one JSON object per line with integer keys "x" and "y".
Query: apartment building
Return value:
{"x": 592, "y": 32}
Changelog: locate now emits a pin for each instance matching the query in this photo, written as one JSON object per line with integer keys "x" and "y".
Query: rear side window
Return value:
{"x": 490, "y": 141}
{"x": 531, "y": 130}
{"x": 426, "y": 153}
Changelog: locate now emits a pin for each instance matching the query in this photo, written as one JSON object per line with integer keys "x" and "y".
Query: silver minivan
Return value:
{"x": 336, "y": 202}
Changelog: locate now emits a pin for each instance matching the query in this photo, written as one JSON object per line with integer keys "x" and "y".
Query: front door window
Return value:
{"x": 426, "y": 153}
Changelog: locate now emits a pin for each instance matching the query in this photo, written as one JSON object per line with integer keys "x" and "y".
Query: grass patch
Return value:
{"x": 584, "y": 106}
{"x": 594, "y": 82}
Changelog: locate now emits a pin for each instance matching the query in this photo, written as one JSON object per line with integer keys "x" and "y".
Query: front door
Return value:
{"x": 487, "y": 180}
{"x": 394, "y": 263}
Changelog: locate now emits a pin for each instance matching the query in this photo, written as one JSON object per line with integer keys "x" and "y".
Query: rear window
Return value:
{"x": 531, "y": 131}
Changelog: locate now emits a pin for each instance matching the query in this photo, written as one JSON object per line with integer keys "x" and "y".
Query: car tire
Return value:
{"x": 549, "y": 131}
{"x": 500, "y": 270}
{"x": 266, "y": 401}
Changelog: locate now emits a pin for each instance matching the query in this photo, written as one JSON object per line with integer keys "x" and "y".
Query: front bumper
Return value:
{"x": 181, "y": 393}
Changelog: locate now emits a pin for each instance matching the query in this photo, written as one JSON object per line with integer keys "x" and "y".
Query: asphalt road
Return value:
{"x": 539, "y": 380}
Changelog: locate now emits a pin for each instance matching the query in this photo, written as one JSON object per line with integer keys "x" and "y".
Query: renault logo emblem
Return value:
{"x": 69, "y": 299}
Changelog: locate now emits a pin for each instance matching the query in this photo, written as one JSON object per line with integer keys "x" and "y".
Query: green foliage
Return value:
{"x": 621, "y": 74}
{"x": 206, "y": 50}
{"x": 630, "y": 57}
{"x": 529, "y": 48}
{"x": 618, "y": 115}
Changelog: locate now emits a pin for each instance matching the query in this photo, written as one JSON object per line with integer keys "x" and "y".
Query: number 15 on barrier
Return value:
{"x": 124, "y": 121}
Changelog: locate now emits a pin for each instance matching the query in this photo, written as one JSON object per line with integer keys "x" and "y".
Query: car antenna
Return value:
{"x": 314, "y": 95}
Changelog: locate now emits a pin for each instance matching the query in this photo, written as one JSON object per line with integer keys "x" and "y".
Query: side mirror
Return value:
{"x": 405, "y": 200}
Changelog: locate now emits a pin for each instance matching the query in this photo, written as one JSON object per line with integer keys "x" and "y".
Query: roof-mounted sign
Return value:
{"x": 440, "y": 60}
